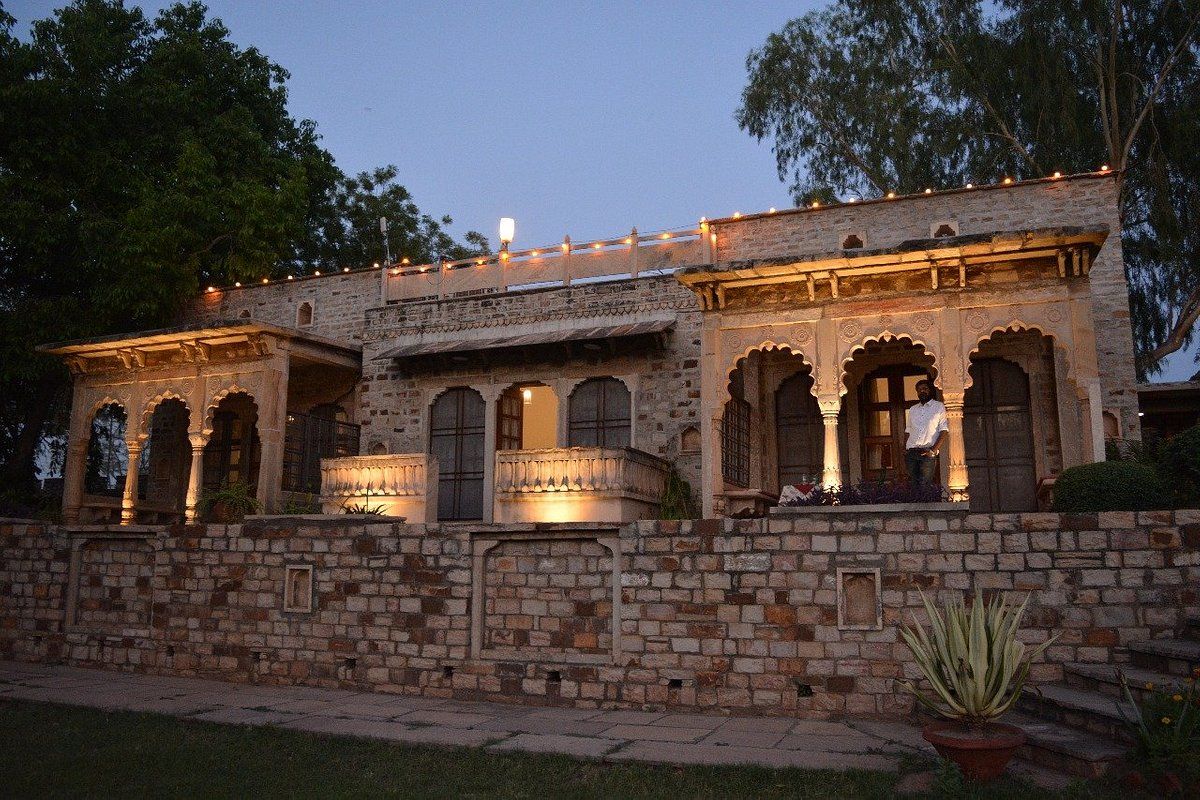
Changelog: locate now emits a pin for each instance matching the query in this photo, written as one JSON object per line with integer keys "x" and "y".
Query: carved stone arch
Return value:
{"x": 1018, "y": 325}
{"x": 153, "y": 404}
{"x": 764, "y": 346}
{"x": 860, "y": 344}
{"x": 215, "y": 400}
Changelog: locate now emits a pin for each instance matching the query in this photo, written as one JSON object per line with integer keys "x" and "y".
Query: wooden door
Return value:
{"x": 510, "y": 420}
{"x": 883, "y": 397}
{"x": 456, "y": 423}
{"x": 998, "y": 433}
{"x": 799, "y": 432}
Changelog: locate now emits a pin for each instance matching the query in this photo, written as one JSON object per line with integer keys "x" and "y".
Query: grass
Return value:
{"x": 58, "y": 751}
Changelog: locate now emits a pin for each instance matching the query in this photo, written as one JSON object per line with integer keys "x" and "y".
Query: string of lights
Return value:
{"x": 568, "y": 247}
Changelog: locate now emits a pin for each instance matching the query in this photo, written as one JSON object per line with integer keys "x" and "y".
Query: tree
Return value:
{"x": 349, "y": 232}
{"x": 139, "y": 161}
{"x": 871, "y": 96}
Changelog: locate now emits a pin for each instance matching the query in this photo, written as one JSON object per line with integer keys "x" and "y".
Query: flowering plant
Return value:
{"x": 1166, "y": 728}
{"x": 865, "y": 493}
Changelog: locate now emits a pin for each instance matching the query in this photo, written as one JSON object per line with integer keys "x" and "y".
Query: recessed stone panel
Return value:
{"x": 548, "y": 597}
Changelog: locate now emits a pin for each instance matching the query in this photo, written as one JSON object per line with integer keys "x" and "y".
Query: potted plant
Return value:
{"x": 230, "y": 503}
{"x": 977, "y": 669}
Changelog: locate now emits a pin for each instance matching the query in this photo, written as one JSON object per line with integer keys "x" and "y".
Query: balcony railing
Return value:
{"x": 578, "y": 484}
{"x": 309, "y": 439}
{"x": 557, "y": 265}
{"x": 404, "y": 485}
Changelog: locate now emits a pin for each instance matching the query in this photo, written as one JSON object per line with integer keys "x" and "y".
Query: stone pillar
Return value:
{"x": 195, "y": 476}
{"x": 270, "y": 469}
{"x": 957, "y": 481}
{"x": 129, "y": 498}
{"x": 491, "y": 397}
{"x": 74, "y": 474}
{"x": 1096, "y": 419}
{"x": 831, "y": 474}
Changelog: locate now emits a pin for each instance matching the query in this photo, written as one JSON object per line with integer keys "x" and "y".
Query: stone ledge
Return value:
{"x": 874, "y": 508}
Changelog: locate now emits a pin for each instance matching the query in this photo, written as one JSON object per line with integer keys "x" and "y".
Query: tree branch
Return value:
{"x": 1179, "y": 333}
{"x": 1152, "y": 98}
{"x": 982, "y": 97}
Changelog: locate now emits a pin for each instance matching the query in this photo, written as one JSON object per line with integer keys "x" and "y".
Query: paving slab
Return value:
{"x": 742, "y": 738}
{"x": 453, "y": 719}
{"x": 243, "y": 716}
{"x": 690, "y": 721}
{"x": 852, "y": 743}
{"x": 691, "y": 753}
{"x": 628, "y": 717}
{"x": 544, "y": 725}
{"x": 763, "y": 724}
{"x": 652, "y": 733}
{"x": 579, "y": 746}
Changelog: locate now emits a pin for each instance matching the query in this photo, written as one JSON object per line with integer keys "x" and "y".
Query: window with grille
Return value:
{"x": 599, "y": 414}
{"x": 735, "y": 433}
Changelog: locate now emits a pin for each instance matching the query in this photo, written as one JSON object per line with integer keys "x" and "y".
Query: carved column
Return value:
{"x": 195, "y": 476}
{"x": 491, "y": 398}
{"x": 831, "y": 475}
{"x": 957, "y": 482}
{"x": 74, "y": 474}
{"x": 129, "y": 499}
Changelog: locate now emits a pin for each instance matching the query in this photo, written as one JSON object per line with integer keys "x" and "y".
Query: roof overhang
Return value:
{"x": 134, "y": 349}
{"x": 547, "y": 336}
{"x": 1073, "y": 248}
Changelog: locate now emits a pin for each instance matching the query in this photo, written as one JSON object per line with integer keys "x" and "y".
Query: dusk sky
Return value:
{"x": 573, "y": 118}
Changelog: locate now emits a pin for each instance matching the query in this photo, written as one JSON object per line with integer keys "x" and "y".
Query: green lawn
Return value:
{"x": 56, "y": 751}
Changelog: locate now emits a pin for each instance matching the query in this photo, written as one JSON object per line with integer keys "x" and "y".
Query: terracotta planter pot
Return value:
{"x": 981, "y": 753}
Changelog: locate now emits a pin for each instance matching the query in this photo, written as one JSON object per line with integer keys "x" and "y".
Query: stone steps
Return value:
{"x": 1105, "y": 679}
{"x": 1084, "y": 710}
{"x": 1171, "y": 656}
{"x": 1064, "y": 749}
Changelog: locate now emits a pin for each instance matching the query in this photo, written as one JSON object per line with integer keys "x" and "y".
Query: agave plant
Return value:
{"x": 971, "y": 657}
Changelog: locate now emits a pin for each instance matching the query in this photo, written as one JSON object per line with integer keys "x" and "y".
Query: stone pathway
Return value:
{"x": 655, "y": 737}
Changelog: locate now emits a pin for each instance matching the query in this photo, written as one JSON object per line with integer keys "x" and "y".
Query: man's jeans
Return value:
{"x": 922, "y": 469}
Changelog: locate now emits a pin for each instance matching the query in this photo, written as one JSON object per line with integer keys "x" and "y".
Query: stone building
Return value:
{"x": 563, "y": 384}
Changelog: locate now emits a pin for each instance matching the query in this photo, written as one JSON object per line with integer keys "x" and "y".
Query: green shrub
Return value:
{"x": 1111, "y": 486}
{"x": 1180, "y": 464}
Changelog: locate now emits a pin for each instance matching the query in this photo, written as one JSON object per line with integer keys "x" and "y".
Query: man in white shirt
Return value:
{"x": 925, "y": 425}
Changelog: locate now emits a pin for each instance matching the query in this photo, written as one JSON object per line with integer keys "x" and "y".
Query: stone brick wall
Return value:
{"x": 339, "y": 302}
{"x": 665, "y": 383}
{"x": 1080, "y": 200}
{"x": 742, "y": 615}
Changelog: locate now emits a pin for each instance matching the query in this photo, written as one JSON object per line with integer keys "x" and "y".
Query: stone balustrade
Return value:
{"x": 405, "y": 484}
{"x": 577, "y": 484}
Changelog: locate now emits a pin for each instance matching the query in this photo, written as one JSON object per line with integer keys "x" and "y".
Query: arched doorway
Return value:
{"x": 456, "y": 424}
{"x": 107, "y": 453}
{"x": 799, "y": 432}
{"x": 527, "y": 418}
{"x": 998, "y": 435}
{"x": 882, "y": 377}
{"x": 166, "y": 460}
{"x": 233, "y": 451}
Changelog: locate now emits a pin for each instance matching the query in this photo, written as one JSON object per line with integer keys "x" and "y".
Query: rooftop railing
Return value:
{"x": 559, "y": 265}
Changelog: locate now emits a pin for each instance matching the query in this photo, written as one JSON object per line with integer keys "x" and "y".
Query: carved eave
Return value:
{"x": 200, "y": 345}
{"x": 1066, "y": 253}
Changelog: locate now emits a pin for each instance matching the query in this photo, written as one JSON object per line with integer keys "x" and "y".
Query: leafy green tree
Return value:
{"x": 139, "y": 161}
{"x": 349, "y": 233}
{"x": 870, "y": 96}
